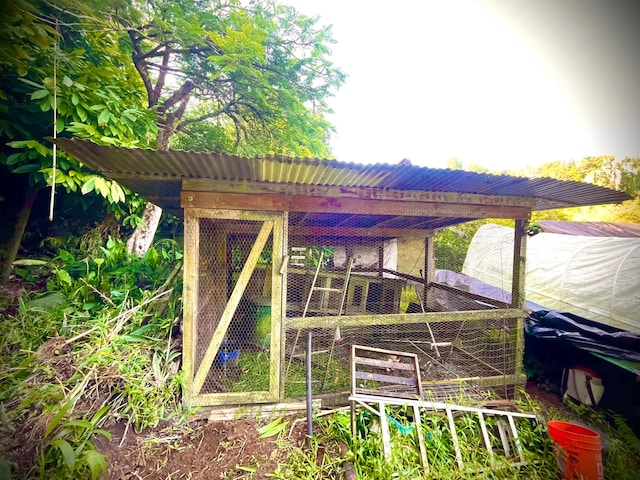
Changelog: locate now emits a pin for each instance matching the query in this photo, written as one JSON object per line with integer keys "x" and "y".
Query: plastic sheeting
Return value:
{"x": 584, "y": 334}
{"x": 593, "y": 277}
{"x": 563, "y": 327}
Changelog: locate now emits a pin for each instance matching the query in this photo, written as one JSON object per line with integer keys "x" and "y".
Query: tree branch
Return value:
{"x": 139, "y": 63}
{"x": 178, "y": 96}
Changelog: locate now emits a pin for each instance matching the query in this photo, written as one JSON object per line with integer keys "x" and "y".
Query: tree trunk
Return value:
{"x": 18, "y": 233}
{"x": 142, "y": 237}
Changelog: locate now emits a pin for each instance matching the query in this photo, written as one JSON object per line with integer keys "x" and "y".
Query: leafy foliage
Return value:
{"x": 64, "y": 62}
{"x": 104, "y": 336}
{"x": 247, "y": 79}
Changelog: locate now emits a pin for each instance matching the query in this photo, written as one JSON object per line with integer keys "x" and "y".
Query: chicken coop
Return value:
{"x": 277, "y": 247}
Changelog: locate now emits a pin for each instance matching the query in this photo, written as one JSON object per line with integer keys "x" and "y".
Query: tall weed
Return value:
{"x": 102, "y": 333}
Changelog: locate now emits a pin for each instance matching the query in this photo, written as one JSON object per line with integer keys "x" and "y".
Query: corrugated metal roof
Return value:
{"x": 591, "y": 229}
{"x": 158, "y": 175}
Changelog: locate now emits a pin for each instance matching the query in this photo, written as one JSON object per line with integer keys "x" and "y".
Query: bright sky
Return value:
{"x": 501, "y": 83}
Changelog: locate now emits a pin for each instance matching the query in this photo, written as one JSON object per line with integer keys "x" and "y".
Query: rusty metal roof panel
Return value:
{"x": 591, "y": 229}
{"x": 159, "y": 174}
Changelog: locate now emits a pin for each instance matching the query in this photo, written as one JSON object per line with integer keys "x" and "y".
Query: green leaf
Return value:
{"x": 104, "y": 117}
{"x": 78, "y": 423}
{"x": 246, "y": 469}
{"x": 38, "y": 94}
{"x": 273, "y": 428}
{"x": 29, "y": 262}
{"x": 30, "y": 82}
{"x": 67, "y": 452}
{"x": 101, "y": 186}
{"x": 56, "y": 420}
{"x": 88, "y": 186}
{"x": 5, "y": 469}
{"x": 67, "y": 81}
{"x": 63, "y": 276}
{"x": 99, "y": 414}
{"x": 96, "y": 462}
{"x": 27, "y": 168}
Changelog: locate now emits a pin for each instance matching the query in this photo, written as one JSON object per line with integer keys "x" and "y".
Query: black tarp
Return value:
{"x": 584, "y": 334}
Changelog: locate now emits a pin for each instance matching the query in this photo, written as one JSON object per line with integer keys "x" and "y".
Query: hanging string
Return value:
{"x": 55, "y": 121}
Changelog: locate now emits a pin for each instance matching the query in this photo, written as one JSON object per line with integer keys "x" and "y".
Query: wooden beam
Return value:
{"x": 369, "y": 193}
{"x": 474, "y": 296}
{"x": 190, "y": 297}
{"x": 372, "y": 232}
{"x": 400, "y": 318}
{"x": 519, "y": 264}
{"x": 518, "y": 285}
{"x": 429, "y": 274}
{"x": 347, "y": 205}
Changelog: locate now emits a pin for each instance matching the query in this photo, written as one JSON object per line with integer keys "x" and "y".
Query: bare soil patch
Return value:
{"x": 195, "y": 450}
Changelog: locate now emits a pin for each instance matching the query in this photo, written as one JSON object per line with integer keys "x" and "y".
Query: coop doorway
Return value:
{"x": 232, "y": 311}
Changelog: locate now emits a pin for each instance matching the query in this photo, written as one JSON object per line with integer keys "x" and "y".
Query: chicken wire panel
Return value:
{"x": 454, "y": 357}
{"x": 330, "y": 373}
{"x": 242, "y": 362}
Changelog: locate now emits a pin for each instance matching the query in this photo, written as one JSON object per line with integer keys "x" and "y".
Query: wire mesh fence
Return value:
{"x": 345, "y": 291}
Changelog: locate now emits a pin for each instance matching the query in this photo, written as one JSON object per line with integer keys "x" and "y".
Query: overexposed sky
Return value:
{"x": 501, "y": 83}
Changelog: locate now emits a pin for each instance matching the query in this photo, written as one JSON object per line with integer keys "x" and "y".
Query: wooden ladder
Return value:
{"x": 324, "y": 306}
{"x": 399, "y": 386}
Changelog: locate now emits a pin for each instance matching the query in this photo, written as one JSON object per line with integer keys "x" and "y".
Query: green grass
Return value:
{"x": 621, "y": 458}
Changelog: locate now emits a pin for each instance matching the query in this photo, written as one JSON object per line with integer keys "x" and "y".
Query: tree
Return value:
{"x": 258, "y": 75}
{"x": 51, "y": 57}
{"x": 247, "y": 80}
{"x": 606, "y": 171}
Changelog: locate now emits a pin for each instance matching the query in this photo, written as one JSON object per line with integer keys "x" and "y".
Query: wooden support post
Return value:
{"x": 518, "y": 287}
{"x": 429, "y": 274}
{"x": 190, "y": 298}
{"x": 519, "y": 264}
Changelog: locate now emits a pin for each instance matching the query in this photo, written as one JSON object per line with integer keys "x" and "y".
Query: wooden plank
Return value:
{"x": 494, "y": 381}
{"x": 374, "y": 233}
{"x": 390, "y": 364}
{"x": 400, "y": 318}
{"x": 189, "y": 294}
{"x": 518, "y": 287}
{"x": 485, "y": 437}
{"x": 283, "y": 278}
{"x": 429, "y": 275}
{"x": 262, "y": 411}
{"x": 233, "y": 398}
{"x": 232, "y": 304}
{"x": 381, "y": 377}
{"x": 519, "y": 264}
{"x": 470, "y": 295}
{"x": 386, "y": 437}
{"x": 454, "y": 437}
{"x": 208, "y": 185}
{"x": 386, "y": 393}
{"x": 421, "y": 444}
{"x": 339, "y": 205}
{"x": 275, "y": 354}
{"x": 352, "y": 377}
{"x": 385, "y": 351}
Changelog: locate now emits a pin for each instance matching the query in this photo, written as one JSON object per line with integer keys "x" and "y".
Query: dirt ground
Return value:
{"x": 198, "y": 450}
{"x": 223, "y": 450}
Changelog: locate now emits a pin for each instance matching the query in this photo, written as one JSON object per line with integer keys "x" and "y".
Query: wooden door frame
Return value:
{"x": 273, "y": 225}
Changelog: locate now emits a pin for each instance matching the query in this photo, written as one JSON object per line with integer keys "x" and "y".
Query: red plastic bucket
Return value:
{"x": 578, "y": 451}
